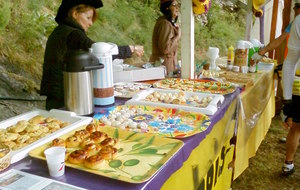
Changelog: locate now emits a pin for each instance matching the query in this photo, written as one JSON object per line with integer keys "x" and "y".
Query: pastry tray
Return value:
{"x": 203, "y": 86}
{"x": 129, "y": 89}
{"x": 139, "y": 157}
{"x": 211, "y": 108}
{"x": 66, "y": 116}
{"x": 167, "y": 122}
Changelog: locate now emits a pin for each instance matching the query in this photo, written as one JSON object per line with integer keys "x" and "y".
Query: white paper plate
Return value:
{"x": 139, "y": 99}
{"x": 66, "y": 116}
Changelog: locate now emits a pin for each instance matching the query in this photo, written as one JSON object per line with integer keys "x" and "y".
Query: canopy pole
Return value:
{"x": 187, "y": 40}
{"x": 249, "y": 18}
{"x": 281, "y": 50}
{"x": 273, "y": 26}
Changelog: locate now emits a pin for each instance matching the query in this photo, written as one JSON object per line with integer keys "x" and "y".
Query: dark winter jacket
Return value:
{"x": 68, "y": 35}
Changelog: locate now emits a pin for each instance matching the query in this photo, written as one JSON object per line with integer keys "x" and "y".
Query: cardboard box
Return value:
{"x": 140, "y": 74}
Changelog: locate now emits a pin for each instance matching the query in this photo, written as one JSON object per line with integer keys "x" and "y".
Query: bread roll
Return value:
{"x": 77, "y": 156}
{"x": 108, "y": 152}
{"x": 82, "y": 134}
{"x": 109, "y": 142}
{"x": 98, "y": 136}
{"x": 94, "y": 162}
{"x": 73, "y": 141}
{"x": 92, "y": 148}
{"x": 86, "y": 141}
{"x": 92, "y": 127}
{"x": 58, "y": 142}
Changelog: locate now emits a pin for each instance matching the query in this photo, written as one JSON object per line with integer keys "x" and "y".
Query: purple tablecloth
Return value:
{"x": 92, "y": 181}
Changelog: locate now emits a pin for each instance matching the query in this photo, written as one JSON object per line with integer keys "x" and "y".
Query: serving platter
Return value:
{"x": 139, "y": 156}
{"x": 73, "y": 121}
{"x": 129, "y": 89}
{"x": 212, "y": 87}
{"x": 189, "y": 101}
{"x": 167, "y": 122}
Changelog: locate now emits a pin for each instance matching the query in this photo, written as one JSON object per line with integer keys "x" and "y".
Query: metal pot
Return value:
{"x": 78, "y": 80}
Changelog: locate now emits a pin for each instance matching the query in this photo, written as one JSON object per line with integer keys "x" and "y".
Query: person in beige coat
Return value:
{"x": 166, "y": 36}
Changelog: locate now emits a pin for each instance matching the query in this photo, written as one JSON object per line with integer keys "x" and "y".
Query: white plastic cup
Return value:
{"x": 236, "y": 68}
{"x": 55, "y": 157}
{"x": 213, "y": 53}
{"x": 245, "y": 69}
{"x": 229, "y": 67}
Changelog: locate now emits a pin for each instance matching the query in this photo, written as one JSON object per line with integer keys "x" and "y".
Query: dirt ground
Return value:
{"x": 263, "y": 172}
{"x": 264, "y": 169}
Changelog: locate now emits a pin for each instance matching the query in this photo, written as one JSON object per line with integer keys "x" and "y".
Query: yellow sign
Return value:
{"x": 220, "y": 174}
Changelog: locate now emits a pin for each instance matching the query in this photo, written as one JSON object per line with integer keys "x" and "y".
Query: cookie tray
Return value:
{"x": 125, "y": 91}
{"x": 66, "y": 116}
{"x": 139, "y": 99}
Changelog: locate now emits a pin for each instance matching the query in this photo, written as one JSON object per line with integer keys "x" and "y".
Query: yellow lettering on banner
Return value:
{"x": 216, "y": 174}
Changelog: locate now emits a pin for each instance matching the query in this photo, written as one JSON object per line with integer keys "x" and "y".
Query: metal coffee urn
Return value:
{"x": 78, "y": 81}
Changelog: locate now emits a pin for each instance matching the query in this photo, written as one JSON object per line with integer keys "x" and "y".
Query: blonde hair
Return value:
{"x": 83, "y": 8}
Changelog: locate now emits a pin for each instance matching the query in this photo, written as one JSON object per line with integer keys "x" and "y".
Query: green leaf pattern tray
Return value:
{"x": 139, "y": 157}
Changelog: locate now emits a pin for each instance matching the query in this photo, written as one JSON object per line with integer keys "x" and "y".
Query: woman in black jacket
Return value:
{"x": 74, "y": 17}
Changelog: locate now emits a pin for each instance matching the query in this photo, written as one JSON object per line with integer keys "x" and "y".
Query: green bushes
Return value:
{"x": 126, "y": 22}
{"x": 4, "y": 14}
{"x": 222, "y": 30}
{"x": 26, "y": 24}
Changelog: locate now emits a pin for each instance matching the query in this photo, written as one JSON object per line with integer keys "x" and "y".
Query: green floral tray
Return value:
{"x": 139, "y": 157}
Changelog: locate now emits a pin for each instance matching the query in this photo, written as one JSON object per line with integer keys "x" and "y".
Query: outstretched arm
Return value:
{"x": 273, "y": 44}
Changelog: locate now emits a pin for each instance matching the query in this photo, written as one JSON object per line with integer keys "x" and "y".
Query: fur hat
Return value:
{"x": 66, "y": 5}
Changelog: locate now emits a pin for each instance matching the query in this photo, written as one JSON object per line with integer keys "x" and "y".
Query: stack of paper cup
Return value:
{"x": 55, "y": 157}
{"x": 213, "y": 55}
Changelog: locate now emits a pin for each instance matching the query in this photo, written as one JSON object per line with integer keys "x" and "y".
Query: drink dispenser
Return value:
{"x": 241, "y": 53}
{"x": 103, "y": 79}
{"x": 78, "y": 91}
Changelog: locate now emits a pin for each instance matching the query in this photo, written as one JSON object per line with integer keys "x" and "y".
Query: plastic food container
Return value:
{"x": 66, "y": 116}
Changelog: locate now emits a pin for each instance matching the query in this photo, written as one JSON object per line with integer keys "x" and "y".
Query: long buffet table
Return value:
{"x": 206, "y": 161}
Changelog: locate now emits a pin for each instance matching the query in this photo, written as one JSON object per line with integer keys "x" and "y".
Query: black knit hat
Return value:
{"x": 66, "y": 5}
{"x": 164, "y": 6}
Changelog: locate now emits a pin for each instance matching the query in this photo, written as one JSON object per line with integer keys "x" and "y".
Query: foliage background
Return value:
{"x": 26, "y": 24}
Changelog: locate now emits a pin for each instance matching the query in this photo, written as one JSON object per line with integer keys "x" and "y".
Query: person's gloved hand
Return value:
{"x": 256, "y": 57}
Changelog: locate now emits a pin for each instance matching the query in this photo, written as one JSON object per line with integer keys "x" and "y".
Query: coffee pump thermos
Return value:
{"x": 103, "y": 83}
{"x": 78, "y": 80}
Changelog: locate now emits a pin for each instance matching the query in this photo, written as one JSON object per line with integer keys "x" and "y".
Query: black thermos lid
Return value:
{"x": 80, "y": 61}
